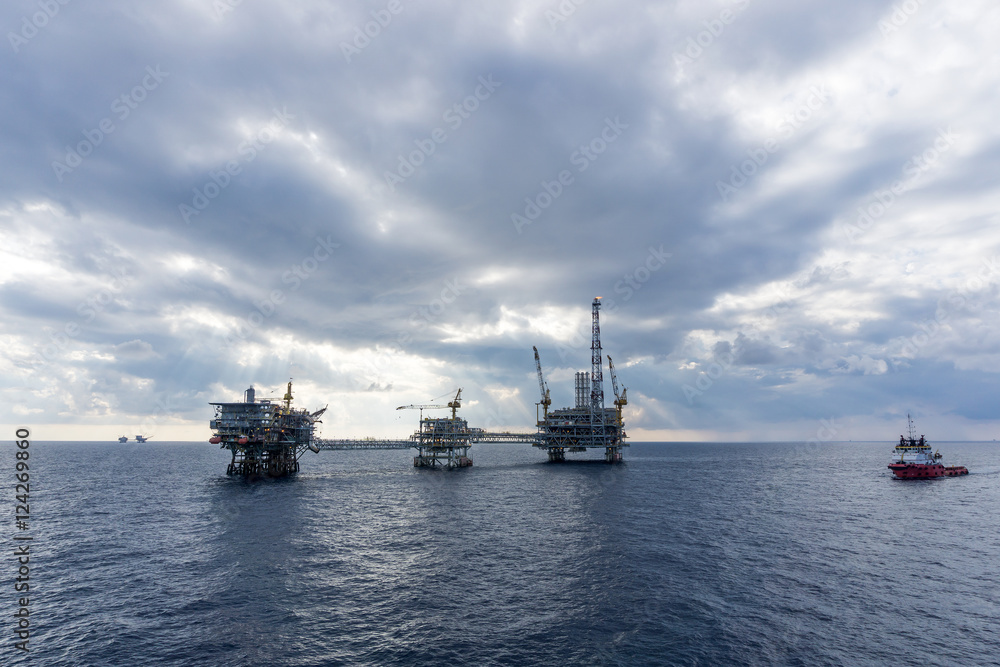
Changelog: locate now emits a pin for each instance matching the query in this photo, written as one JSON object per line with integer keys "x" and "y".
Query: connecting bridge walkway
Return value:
{"x": 367, "y": 443}
{"x": 439, "y": 442}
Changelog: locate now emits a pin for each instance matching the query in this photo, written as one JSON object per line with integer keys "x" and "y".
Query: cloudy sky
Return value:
{"x": 789, "y": 209}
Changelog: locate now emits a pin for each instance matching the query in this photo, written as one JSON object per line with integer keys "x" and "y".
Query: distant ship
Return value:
{"x": 915, "y": 460}
{"x": 141, "y": 438}
{"x": 123, "y": 439}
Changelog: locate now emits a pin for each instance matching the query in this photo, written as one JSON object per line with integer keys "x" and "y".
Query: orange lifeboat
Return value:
{"x": 215, "y": 440}
{"x": 243, "y": 440}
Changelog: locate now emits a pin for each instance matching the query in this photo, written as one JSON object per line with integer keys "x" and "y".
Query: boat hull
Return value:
{"x": 917, "y": 470}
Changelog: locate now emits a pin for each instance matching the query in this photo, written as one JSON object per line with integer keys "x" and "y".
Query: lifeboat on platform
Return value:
{"x": 215, "y": 440}
{"x": 243, "y": 440}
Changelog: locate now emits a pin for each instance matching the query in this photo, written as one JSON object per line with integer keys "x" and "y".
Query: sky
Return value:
{"x": 789, "y": 210}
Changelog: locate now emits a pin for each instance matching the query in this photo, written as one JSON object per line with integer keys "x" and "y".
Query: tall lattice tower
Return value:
{"x": 597, "y": 363}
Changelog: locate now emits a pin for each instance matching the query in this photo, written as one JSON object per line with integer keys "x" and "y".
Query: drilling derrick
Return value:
{"x": 589, "y": 424}
{"x": 596, "y": 362}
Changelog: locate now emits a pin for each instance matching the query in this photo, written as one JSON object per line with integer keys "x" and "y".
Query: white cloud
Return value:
{"x": 813, "y": 314}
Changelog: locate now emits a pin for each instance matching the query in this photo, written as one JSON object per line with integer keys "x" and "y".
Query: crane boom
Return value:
{"x": 455, "y": 404}
{"x": 620, "y": 399}
{"x": 614, "y": 378}
{"x": 421, "y": 408}
{"x": 543, "y": 390}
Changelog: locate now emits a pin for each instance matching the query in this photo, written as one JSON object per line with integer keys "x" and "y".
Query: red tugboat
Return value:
{"x": 916, "y": 460}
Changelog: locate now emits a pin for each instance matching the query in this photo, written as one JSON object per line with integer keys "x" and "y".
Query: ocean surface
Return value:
{"x": 686, "y": 554}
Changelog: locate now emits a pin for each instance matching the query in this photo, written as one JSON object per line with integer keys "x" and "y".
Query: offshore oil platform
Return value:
{"x": 267, "y": 438}
{"x": 588, "y": 424}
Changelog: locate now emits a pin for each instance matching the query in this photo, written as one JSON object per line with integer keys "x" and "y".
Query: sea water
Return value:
{"x": 685, "y": 554}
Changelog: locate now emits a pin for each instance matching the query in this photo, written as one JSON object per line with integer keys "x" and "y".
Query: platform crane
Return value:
{"x": 422, "y": 408}
{"x": 454, "y": 405}
{"x": 622, "y": 399}
{"x": 546, "y": 401}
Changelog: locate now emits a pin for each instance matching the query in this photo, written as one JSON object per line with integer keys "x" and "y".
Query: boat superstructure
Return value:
{"x": 913, "y": 458}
